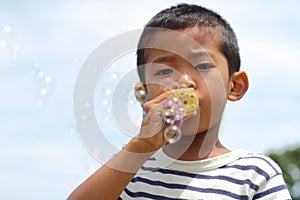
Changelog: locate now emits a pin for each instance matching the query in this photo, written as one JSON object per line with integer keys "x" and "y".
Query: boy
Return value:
{"x": 189, "y": 47}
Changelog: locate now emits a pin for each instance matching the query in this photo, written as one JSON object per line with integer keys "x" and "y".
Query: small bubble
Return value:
{"x": 108, "y": 110}
{"x": 39, "y": 103}
{"x": 114, "y": 64}
{"x": 83, "y": 117}
{"x": 17, "y": 48}
{"x": 144, "y": 113}
{"x": 142, "y": 92}
{"x": 43, "y": 91}
{"x": 75, "y": 59}
{"x": 131, "y": 101}
{"x": 92, "y": 169}
{"x": 87, "y": 104}
{"x": 3, "y": 44}
{"x": 72, "y": 131}
{"x": 106, "y": 119}
{"x": 96, "y": 152}
{"x": 36, "y": 64}
{"x": 7, "y": 28}
{"x": 114, "y": 76}
{"x": 48, "y": 79}
{"x": 41, "y": 74}
{"x": 104, "y": 102}
{"x": 108, "y": 92}
{"x": 35, "y": 68}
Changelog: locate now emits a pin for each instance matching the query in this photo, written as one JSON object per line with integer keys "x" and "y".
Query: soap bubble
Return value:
{"x": 43, "y": 91}
{"x": 3, "y": 43}
{"x": 74, "y": 63}
{"x": 43, "y": 83}
{"x": 48, "y": 79}
{"x": 104, "y": 102}
{"x": 41, "y": 74}
{"x": 108, "y": 92}
{"x": 115, "y": 76}
{"x": 7, "y": 28}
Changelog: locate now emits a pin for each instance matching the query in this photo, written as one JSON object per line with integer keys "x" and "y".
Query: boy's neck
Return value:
{"x": 202, "y": 146}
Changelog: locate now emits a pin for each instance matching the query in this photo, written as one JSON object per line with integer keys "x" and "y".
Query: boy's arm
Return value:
{"x": 111, "y": 179}
{"x": 275, "y": 189}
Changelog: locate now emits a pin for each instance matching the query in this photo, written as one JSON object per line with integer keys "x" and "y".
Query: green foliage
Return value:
{"x": 289, "y": 162}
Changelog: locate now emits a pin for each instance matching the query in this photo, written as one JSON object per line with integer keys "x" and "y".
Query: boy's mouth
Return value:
{"x": 188, "y": 100}
{"x": 184, "y": 104}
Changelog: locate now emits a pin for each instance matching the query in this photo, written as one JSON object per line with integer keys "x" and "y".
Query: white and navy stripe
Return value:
{"x": 247, "y": 176}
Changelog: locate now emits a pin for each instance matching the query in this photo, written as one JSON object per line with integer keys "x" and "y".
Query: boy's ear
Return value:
{"x": 238, "y": 86}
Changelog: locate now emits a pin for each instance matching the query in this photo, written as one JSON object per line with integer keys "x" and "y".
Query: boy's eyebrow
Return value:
{"x": 197, "y": 54}
{"x": 161, "y": 59}
{"x": 192, "y": 57}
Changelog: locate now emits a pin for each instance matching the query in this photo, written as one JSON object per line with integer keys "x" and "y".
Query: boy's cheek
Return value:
{"x": 154, "y": 90}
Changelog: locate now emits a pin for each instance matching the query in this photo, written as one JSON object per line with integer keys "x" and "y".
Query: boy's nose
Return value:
{"x": 186, "y": 81}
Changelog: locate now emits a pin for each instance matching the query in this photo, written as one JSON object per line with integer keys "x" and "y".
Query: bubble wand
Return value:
{"x": 183, "y": 104}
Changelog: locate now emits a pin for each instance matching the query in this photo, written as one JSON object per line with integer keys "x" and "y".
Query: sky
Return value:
{"x": 44, "y": 44}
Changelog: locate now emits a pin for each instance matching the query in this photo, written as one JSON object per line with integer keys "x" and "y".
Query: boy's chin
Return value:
{"x": 193, "y": 133}
{"x": 192, "y": 130}
{"x": 192, "y": 126}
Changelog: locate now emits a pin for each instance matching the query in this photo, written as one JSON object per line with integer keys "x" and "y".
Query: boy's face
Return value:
{"x": 199, "y": 65}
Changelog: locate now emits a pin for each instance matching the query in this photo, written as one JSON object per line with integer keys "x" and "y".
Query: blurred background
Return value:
{"x": 43, "y": 45}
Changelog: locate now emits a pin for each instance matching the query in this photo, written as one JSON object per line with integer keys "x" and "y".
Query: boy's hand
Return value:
{"x": 153, "y": 126}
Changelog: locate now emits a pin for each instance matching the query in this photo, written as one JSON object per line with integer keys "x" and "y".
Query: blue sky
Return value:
{"x": 44, "y": 44}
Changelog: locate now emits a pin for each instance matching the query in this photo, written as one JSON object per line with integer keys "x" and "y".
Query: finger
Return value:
{"x": 158, "y": 100}
{"x": 153, "y": 122}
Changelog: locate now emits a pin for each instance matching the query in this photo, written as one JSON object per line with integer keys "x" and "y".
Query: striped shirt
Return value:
{"x": 239, "y": 174}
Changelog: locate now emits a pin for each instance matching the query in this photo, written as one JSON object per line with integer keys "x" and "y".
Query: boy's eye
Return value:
{"x": 204, "y": 66}
{"x": 164, "y": 72}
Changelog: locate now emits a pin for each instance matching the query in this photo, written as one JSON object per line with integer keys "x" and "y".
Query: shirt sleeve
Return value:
{"x": 273, "y": 189}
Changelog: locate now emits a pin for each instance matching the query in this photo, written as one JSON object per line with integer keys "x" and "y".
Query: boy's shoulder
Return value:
{"x": 254, "y": 161}
{"x": 241, "y": 159}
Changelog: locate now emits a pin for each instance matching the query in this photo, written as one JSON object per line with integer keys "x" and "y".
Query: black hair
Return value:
{"x": 183, "y": 16}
